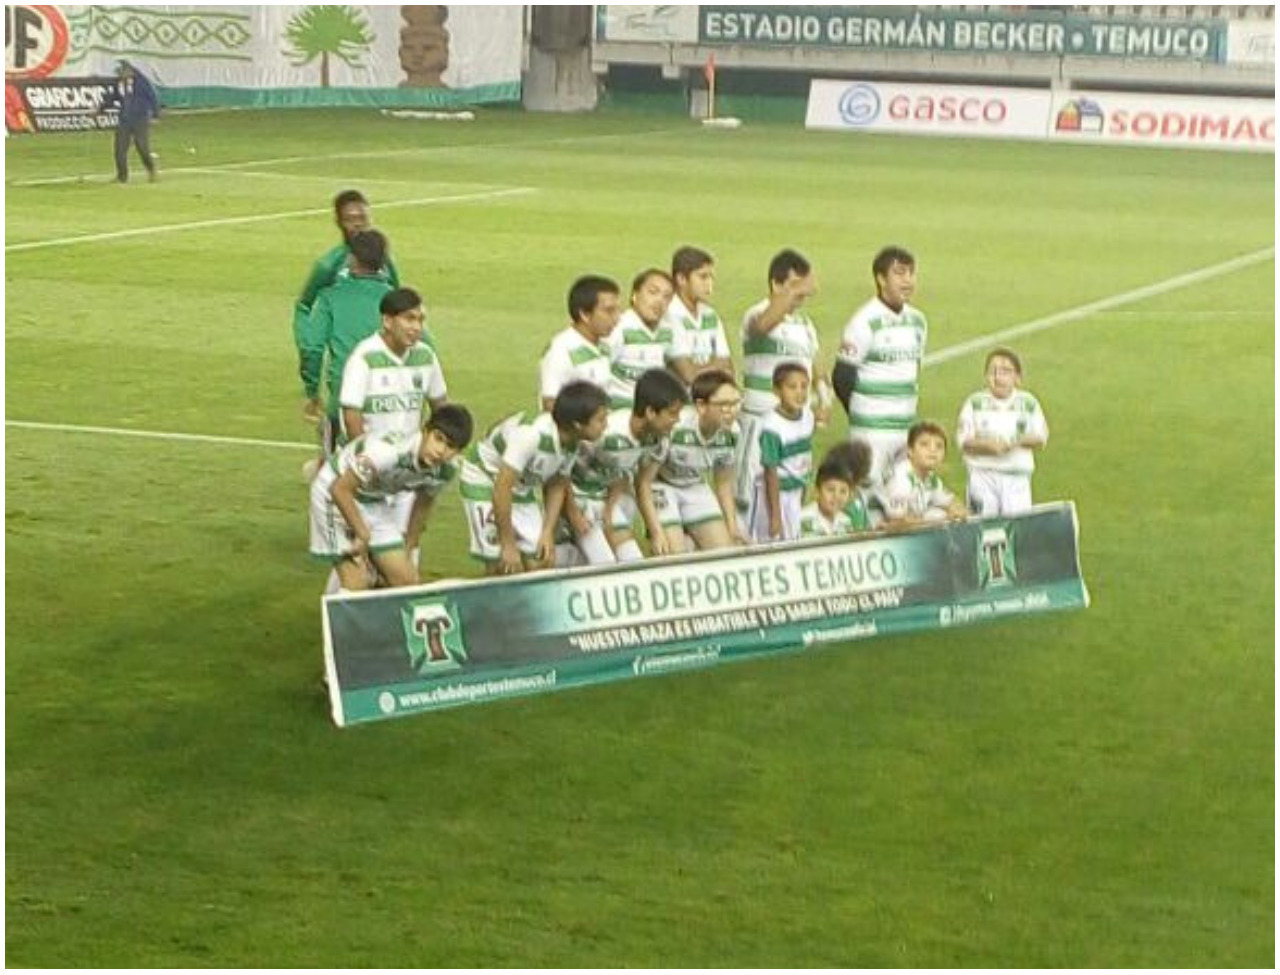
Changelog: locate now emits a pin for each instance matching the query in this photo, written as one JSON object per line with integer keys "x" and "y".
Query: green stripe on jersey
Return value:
{"x": 585, "y": 354}
{"x": 881, "y": 422}
{"x": 886, "y": 389}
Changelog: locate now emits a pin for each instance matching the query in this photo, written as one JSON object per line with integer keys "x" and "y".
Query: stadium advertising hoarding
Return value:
{"x": 1008, "y": 113}
{"x": 287, "y": 55}
{"x": 58, "y": 105}
{"x": 398, "y": 652}
{"x": 1181, "y": 121}
{"x": 1251, "y": 42}
{"x": 1026, "y": 34}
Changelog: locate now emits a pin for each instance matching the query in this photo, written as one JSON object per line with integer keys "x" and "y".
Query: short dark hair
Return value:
{"x": 399, "y": 301}
{"x": 833, "y": 469}
{"x": 369, "y": 247}
{"x": 454, "y": 422}
{"x": 921, "y": 427}
{"x": 656, "y": 390}
{"x": 345, "y": 198}
{"x": 786, "y": 261}
{"x": 889, "y": 256}
{"x": 707, "y": 382}
{"x": 784, "y": 369}
{"x": 586, "y": 291}
{"x": 577, "y": 403}
{"x": 643, "y": 277}
{"x": 853, "y": 457}
{"x": 688, "y": 259}
{"x": 1003, "y": 352}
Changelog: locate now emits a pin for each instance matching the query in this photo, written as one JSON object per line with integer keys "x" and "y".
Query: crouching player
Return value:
{"x": 913, "y": 492}
{"x": 355, "y": 496}
{"x": 673, "y": 495}
{"x": 603, "y": 476}
{"x": 511, "y": 530}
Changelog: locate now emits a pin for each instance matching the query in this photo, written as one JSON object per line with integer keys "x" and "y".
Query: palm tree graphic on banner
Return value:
{"x": 321, "y": 31}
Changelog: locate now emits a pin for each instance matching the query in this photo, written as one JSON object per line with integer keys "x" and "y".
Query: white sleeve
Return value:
{"x": 965, "y": 429}
{"x": 436, "y": 387}
{"x": 894, "y": 495}
{"x": 855, "y": 341}
{"x": 722, "y": 350}
{"x": 522, "y": 445}
{"x": 376, "y": 458}
{"x": 681, "y": 345}
{"x": 555, "y": 373}
{"x": 1038, "y": 424}
{"x": 941, "y": 497}
{"x": 355, "y": 383}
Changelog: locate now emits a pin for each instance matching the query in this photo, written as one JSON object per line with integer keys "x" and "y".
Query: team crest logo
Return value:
{"x": 996, "y": 565}
{"x": 433, "y": 635}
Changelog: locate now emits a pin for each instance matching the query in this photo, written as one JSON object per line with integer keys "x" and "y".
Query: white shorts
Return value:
{"x": 332, "y": 538}
{"x": 886, "y": 445}
{"x": 994, "y": 493}
{"x": 789, "y": 501}
{"x": 686, "y": 506}
{"x": 477, "y": 504}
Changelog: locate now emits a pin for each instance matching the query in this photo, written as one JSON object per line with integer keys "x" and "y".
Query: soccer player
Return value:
{"x": 1000, "y": 428}
{"x": 391, "y": 374}
{"x": 913, "y": 492}
{"x": 775, "y": 330}
{"x": 578, "y": 352}
{"x": 351, "y": 211}
{"x": 354, "y": 498}
{"x": 641, "y": 341}
{"x": 673, "y": 496}
{"x": 345, "y": 314}
{"x": 697, "y": 333}
{"x": 877, "y": 373}
{"x": 828, "y": 514}
{"x": 520, "y": 456}
{"x": 786, "y": 458}
{"x": 603, "y": 477}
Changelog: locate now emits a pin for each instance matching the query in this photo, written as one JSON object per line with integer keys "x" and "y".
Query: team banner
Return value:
{"x": 1027, "y": 33}
{"x": 275, "y": 55}
{"x": 1178, "y": 121}
{"x": 59, "y": 105}
{"x": 399, "y": 652}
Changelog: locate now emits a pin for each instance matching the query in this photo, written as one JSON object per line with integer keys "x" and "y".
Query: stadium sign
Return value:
{"x": 59, "y": 105}
{"x": 35, "y": 41}
{"x": 398, "y": 652}
{"x": 1030, "y": 34}
{"x": 927, "y": 109}
{"x": 1242, "y": 124}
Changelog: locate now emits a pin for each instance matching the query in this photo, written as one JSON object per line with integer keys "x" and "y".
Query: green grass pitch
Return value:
{"x": 1088, "y": 789}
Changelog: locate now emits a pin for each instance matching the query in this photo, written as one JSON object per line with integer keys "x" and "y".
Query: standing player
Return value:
{"x": 520, "y": 456}
{"x": 673, "y": 496}
{"x": 786, "y": 458}
{"x": 351, "y": 211}
{"x": 391, "y": 374}
{"x": 877, "y": 373}
{"x": 603, "y": 477}
{"x": 354, "y": 498}
{"x": 577, "y": 352}
{"x": 697, "y": 333}
{"x": 776, "y": 330}
{"x": 344, "y": 314}
{"x": 641, "y": 341}
{"x": 1000, "y": 428}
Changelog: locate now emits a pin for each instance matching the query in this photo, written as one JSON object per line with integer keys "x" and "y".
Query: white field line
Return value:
{"x": 942, "y": 355}
{"x": 367, "y": 154}
{"x": 170, "y": 228}
{"x": 1104, "y": 304}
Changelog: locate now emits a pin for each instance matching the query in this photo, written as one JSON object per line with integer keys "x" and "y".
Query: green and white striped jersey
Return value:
{"x": 618, "y": 454}
{"x": 987, "y": 417}
{"x": 906, "y": 493}
{"x": 530, "y": 445}
{"x": 697, "y": 335}
{"x": 387, "y": 464}
{"x": 887, "y": 347}
{"x": 690, "y": 456}
{"x": 634, "y": 349}
{"x": 814, "y": 524}
{"x": 787, "y": 444}
{"x": 390, "y": 390}
{"x": 856, "y": 510}
{"x": 794, "y": 339}
{"x": 571, "y": 357}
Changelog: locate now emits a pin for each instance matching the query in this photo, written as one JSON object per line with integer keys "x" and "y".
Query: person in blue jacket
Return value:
{"x": 138, "y": 103}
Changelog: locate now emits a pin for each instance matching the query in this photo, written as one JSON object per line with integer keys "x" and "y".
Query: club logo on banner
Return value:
{"x": 996, "y": 565}
{"x": 35, "y": 42}
{"x": 433, "y": 635}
